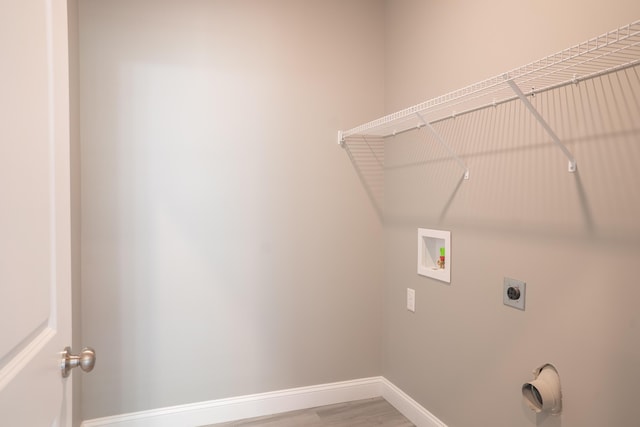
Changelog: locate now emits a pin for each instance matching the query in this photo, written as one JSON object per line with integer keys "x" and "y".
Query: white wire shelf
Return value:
{"x": 609, "y": 52}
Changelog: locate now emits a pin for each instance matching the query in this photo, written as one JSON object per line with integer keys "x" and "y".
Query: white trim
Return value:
{"x": 408, "y": 407}
{"x": 255, "y": 405}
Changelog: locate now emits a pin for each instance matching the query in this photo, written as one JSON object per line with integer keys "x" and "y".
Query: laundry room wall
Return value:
{"x": 228, "y": 246}
{"x": 574, "y": 238}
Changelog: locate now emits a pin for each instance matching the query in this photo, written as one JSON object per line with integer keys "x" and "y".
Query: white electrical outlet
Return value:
{"x": 411, "y": 300}
{"x": 513, "y": 293}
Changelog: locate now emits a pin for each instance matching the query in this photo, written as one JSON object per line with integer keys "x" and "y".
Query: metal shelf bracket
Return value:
{"x": 572, "y": 161}
{"x": 442, "y": 142}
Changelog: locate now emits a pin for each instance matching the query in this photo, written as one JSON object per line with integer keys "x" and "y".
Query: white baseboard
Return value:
{"x": 255, "y": 405}
{"x": 408, "y": 407}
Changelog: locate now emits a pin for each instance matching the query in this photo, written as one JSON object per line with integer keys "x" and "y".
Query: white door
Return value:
{"x": 35, "y": 290}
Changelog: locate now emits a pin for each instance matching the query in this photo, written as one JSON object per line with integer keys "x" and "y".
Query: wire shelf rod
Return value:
{"x": 545, "y": 125}
{"x": 442, "y": 142}
{"x": 609, "y": 52}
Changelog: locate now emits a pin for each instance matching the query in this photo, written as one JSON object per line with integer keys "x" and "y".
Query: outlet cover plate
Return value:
{"x": 521, "y": 288}
{"x": 411, "y": 300}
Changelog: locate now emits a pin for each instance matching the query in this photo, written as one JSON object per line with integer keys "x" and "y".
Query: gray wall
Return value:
{"x": 228, "y": 246}
{"x": 574, "y": 238}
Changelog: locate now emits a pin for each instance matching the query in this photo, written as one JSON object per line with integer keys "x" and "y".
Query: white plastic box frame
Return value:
{"x": 429, "y": 244}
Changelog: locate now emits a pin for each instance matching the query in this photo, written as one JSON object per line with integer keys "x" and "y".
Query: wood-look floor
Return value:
{"x": 360, "y": 413}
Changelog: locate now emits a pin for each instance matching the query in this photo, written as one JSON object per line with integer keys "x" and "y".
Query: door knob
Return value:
{"x": 86, "y": 360}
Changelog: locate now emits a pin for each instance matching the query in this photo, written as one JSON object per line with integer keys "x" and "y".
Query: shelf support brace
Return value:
{"x": 444, "y": 144}
{"x": 545, "y": 125}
